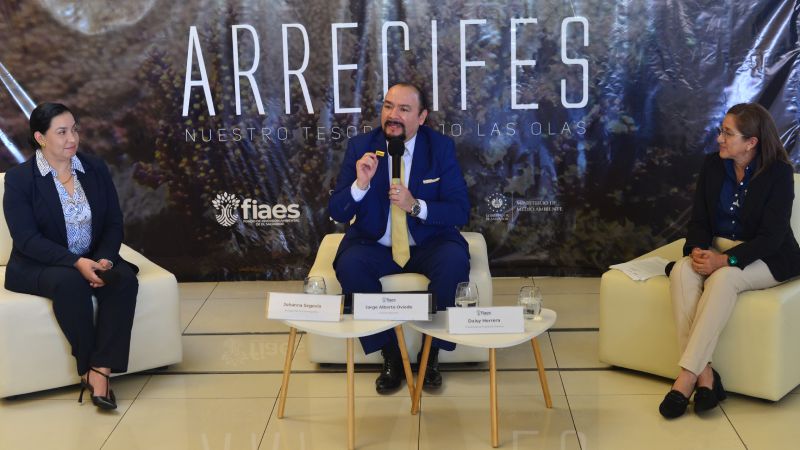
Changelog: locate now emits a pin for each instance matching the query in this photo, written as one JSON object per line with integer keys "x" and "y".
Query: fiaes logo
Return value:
{"x": 228, "y": 211}
{"x": 264, "y": 214}
{"x": 226, "y": 204}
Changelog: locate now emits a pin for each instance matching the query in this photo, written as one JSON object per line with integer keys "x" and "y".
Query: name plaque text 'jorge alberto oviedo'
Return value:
{"x": 390, "y": 306}
{"x": 497, "y": 319}
{"x": 320, "y": 308}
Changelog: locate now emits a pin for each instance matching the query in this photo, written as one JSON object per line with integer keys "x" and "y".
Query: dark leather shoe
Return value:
{"x": 392, "y": 372}
{"x": 433, "y": 378}
{"x": 106, "y": 402}
{"x": 673, "y": 405}
{"x": 706, "y": 399}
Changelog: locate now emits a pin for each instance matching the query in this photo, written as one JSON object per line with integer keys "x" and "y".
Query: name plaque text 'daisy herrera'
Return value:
{"x": 490, "y": 320}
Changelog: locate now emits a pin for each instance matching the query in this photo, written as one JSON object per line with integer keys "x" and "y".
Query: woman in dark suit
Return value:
{"x": 66, "y": 225}
{"x": 739, "y": 239}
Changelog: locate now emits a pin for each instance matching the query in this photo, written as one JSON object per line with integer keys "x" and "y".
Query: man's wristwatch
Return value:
{"x": 416, "y": 208}
{"x": 732, "y": 260}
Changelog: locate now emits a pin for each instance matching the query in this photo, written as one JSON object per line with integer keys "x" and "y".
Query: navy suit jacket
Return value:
{"x": 765, "y": 214}
{"x": 435, "y": 177}
{"x": 36, "y": 221}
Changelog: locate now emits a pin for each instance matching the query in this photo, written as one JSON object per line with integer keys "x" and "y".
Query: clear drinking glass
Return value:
{"x": 530, "y": 298}
{"x": 314, "y": 285}
{"x": 466, "y": 294}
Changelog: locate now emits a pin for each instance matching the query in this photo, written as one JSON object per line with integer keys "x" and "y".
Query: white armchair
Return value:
{"x": 35, "y": 355}
{"x": 329, "y": 350}
{"x": 757, "y": 353}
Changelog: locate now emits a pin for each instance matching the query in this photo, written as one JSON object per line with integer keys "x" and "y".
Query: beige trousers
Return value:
{"x": 702, "y": 305}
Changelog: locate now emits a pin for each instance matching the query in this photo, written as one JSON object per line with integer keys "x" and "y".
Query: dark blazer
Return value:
{"x": 765, "y": 215}
{"x": 36, "y": 221}
{"x": 435, "y": 177}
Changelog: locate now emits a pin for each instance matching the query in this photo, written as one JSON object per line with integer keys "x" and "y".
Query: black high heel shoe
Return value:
{"x": 706, "y": 399}
{"x": 107, "y": 402}
{"x": 673, "y": 405}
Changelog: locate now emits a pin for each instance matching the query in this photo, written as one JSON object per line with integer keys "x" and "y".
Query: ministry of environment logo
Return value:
{"x": 226, "y": 205}
{"x": 497, "y": 207}
{"x": 498, "y": 203}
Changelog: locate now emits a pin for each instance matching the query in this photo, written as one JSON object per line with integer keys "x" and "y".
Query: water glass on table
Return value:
{"x": 467, "y": 294}
{"x": 530, "y": 298}
{"x": 314, "y": 285}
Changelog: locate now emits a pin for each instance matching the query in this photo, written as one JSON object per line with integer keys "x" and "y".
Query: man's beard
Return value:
{"x": 402, "y": 134}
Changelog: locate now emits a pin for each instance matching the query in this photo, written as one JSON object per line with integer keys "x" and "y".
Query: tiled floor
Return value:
{"x": 224, "y": 394}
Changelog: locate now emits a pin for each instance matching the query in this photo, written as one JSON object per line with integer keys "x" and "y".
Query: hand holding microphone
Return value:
{"x": 400, "y": 196}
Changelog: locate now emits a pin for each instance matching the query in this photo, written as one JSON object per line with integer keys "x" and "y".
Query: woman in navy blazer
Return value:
{"x": 739, "y": 238}
{"x": 66, "y": 225}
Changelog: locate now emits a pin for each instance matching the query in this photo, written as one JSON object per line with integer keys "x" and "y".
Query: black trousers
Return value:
{"x": 104, "y": 342}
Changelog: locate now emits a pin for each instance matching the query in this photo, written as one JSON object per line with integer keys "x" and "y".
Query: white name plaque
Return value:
{"x": 491, "y": 320}
{"x": 320, "y": 308}
{"x": 391, "y": 306}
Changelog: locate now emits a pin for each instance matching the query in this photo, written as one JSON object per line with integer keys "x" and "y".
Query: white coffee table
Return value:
{"x": 348, "y": 329}
{"x": 437, "y": 328}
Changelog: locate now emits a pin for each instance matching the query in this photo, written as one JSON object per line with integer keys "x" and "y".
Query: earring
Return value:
{"x": 42, "y": 145}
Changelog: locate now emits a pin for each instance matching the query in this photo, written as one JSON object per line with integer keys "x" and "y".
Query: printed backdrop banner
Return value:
{"x": 580, "y": 124}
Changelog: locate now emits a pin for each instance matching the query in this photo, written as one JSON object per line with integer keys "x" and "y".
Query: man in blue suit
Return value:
{"x": 425, "y": 207}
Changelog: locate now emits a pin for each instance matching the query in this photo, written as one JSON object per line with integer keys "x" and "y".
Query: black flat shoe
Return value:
{"x": 708, "y": 398}
{"x": 392, "y": 373}
{"x": 673, "y": 405}
{"x": 433, "y": 378}
{"x": 106, "y": 402}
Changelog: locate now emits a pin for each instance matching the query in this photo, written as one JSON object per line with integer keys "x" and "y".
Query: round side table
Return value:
{"x": 348, "y": 329}
{"x": 437, "y": 328}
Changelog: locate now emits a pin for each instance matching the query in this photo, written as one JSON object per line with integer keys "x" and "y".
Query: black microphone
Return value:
{"x": 396, "y": 148}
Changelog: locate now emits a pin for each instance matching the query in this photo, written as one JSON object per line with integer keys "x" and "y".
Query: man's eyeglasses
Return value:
{"x": 727, "y": 134}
